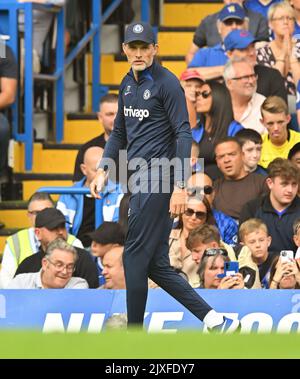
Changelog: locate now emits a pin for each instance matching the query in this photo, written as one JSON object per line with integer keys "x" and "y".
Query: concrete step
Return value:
{"x": 14, "y": 214}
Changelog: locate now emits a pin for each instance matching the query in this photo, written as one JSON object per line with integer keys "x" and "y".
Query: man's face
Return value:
{"x": 240, "y": 2}
{"x": 107, "y": 115}
{"x": 199, "y": 248}
{"x": 244, "y": 82}
{"x": 276, "y": 124}
{"x": 249, "y": 53}
{"x": 212, "y": 270}
{"x": 202, "y": 180}
{"x": 258, "y": 243}
{"x": 113, "y": 270}
{"x": 57, "y": 269}
{"x": 36, "y": 206}
{"x": 190, "y": 87}
{"x": 140, "y": 55}
{"x": 226, "y": 26}
{"x": 45, "y": 236}
{"x": 296, "y": 159}
{"x": 283, "y": 191}
{"x": 229, "y": 160}
{"x": 251, "y": 154}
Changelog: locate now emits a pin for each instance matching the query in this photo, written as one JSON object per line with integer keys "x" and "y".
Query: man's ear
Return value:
{"x": 269, "y": 183}
{"x": 83, "y": 168}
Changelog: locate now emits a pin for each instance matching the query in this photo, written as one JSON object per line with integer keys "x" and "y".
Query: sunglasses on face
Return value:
{"x": 213, "y": 252}
{"x": 232, "y": 21}
{"x": 192, "y": 191}
{"x": 199, "y": 215}
{"x": 204, "y": 94}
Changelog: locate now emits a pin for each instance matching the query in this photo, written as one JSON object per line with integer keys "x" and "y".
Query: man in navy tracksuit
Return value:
{"x": 152, "y": 122}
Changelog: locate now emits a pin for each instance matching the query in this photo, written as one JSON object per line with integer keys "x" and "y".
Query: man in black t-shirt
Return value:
{"x": 106, "y": 116}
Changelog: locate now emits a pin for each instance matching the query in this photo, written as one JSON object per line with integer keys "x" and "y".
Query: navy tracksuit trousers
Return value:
{"x": 147, "y": 255}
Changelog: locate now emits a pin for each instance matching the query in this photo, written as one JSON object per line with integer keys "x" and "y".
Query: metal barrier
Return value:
{"x": 77, "y": 191}
{"x": 11, "y": 9}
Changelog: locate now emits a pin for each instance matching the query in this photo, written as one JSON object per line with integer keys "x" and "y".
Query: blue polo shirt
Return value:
{"x": 209, "y": 57}
{"x": 257, "y": 6}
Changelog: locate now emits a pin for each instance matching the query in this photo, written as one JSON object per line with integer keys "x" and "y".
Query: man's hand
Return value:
{"x": 98, "y": 183}
{"x": 178, "y": 202}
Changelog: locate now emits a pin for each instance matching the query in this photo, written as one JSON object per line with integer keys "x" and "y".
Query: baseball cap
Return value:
{"x": 191, "y": 74}
{"x": 232, "y": 10}
{"x": 238, "y": 39}
{"x": 50, "y": 218}
{"x": 139, "y": 31}
{"x": 108, "y": 232}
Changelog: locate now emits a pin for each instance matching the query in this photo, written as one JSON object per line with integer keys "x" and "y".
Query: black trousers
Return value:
{"x": 146, "y": 255}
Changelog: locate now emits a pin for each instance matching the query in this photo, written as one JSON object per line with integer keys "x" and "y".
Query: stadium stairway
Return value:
{"x": 53, "y": 164}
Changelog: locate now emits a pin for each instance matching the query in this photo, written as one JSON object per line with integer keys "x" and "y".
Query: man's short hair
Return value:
{"x": 229, "y": 70}
{"x": 250, "y": 226}
{"x": 245, "y": 135}
{"x": 40, "y": 196}
{"x": 283, "y": 168}
{"x": 294, "y": 150}
{"x": 227, "y": 139}
{"x": 108, "y": 98}
{"x": 274, "y": 104}
{"x": 107, "y": 233}
{"x": 203, "y": 234}
{"x": 61, "y": 244}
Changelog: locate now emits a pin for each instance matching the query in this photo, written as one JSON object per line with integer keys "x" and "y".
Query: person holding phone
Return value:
{"x": 284, "y": 274}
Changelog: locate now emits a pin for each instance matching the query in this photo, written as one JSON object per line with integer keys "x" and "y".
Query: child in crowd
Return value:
{"x": 255, "y": 237}
{"x": 251, "y": 144}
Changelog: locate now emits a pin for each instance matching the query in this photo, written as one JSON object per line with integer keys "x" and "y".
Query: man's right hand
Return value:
{"x": 98, "y": 183}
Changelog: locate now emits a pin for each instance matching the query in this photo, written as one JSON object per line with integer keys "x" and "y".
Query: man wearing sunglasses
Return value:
{"x": 207, "y": 33}
{"x": 152, "y": 121}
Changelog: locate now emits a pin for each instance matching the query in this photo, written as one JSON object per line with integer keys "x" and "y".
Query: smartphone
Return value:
{"x": 286, "y": 255}
{"x": 230, "y": 269}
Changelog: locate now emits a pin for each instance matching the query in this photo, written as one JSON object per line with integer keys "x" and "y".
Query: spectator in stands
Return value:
{"x": 212, "y": 264}
{"x": 255, "y": 237}
{"x": 209, "y": 61}
{"x": 280, "y": 208}
{"x": 214, "y": 106}
{"x": 207, "y": 33}
{"x": 296, "y": 6}
{"x": 58, "y": 265}
{"x": 260, "y": 6}
{"x": 108, "y": 236}
{"x": 283, "y": 51}
{"x": 8, "y": 81}
{"x": 198, "y": 213}
{"x": 113, "y": 269}
{"x": 25, "y": 242}
{"x": 251, "y": 144}
{"x": 106, "y": 116}
{"x": 50, "y": 224}
{"x": 296, "y": 237}
{"x": 79, "y": 210}
{"x": 284, "y": 275}
{"x": 294, "y": 154}
{"x": 241, "y": 80}
{"x": 245, "y": 186}
{"x": 241, "y": 44}
{"x": 278, "y": 140}
{"x": 200, "y": 184}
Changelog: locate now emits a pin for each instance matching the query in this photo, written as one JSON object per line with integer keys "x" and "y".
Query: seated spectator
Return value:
{"x": 260, "y": 6}
{"x": 8, "y": 91}
{"x": 205, "y": 237}
{"x": 113, "y": 270}
{"x": 245, "y": 186}
{"x": 251, "y": 144}
{"x": 50, "y": 224}
{"x": 296, "y": 237}
{"x": 209, "y": 61}
{"x": 25, "y": 242}
{"x": 213, "y": 104}
{"x": 284, "y": 275}
{"x": 241, "y": 44}
{"x": 295, "y": 4}
{"x": 207, "y": 33}
{"x": 280, "y": 208}
{"x": 200, "y": 184}
{"x": 278, "y": 140}
{"x": 58, "y": 266}
{"x": 106, "y": 116}
{"x": 197, "y": 213}
{"x": 106, "y": 237}
{"x": 283, "y": 52}
{"x": 241, "y": 81}
{"x": 256, "y": 240}
{"x": 79, "y": 210}
{"x": 294, "y": 154}
{"x": 212, "y": 264}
